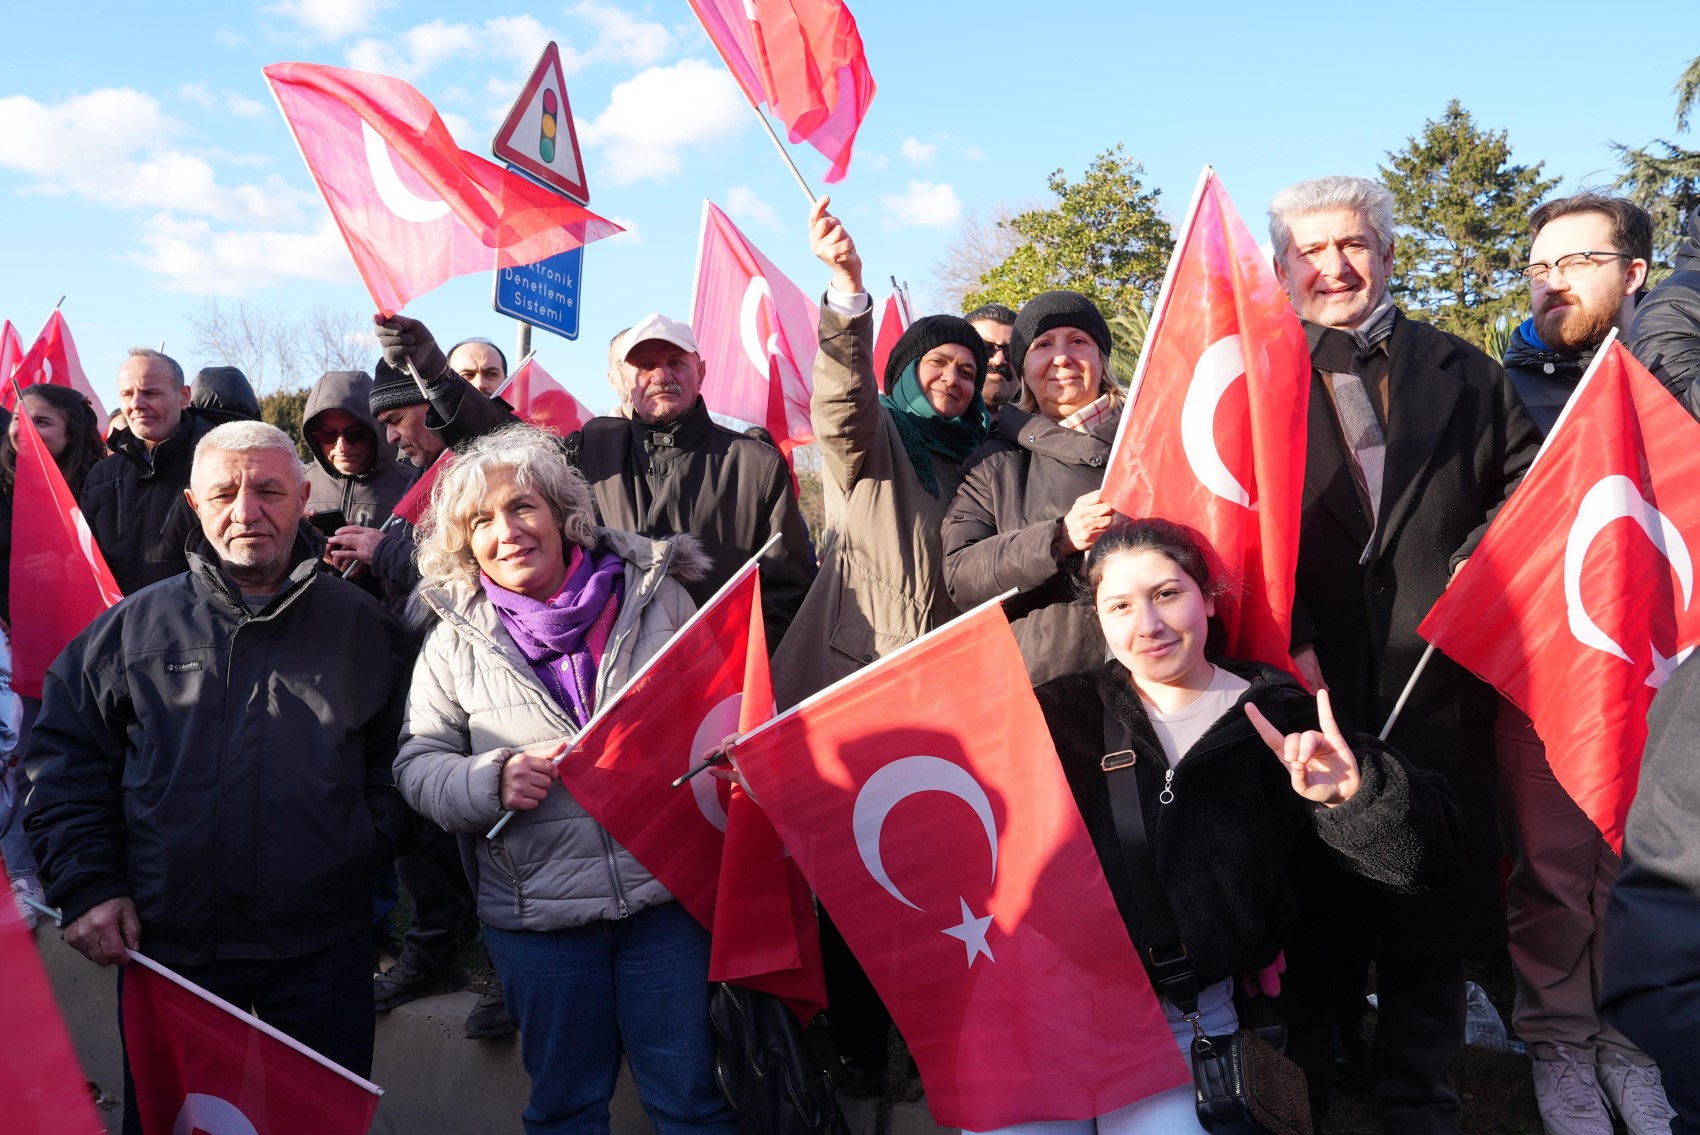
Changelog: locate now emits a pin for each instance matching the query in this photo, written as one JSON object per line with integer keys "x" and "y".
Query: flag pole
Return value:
{"x": 784, "y": 153}
{"x": 1405, "y": 694}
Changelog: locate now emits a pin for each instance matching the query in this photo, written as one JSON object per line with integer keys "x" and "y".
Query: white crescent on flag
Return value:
{"x": 397, "y": 198}
{"x": 211, "y": 1115}
{"x": 899, "y": 780}
{"x": 1218, "y": 368}
{"x": 1618, "y": 498}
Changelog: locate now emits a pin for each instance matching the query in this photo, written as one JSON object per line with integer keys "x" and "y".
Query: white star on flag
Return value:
{"x": 972, "y": 932}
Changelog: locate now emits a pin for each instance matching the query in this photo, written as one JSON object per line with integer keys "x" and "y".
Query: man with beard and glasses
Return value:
{"x": 995, "y": 323}
{"x": 211, "y": 765}
{"x": 1588, "y": 260}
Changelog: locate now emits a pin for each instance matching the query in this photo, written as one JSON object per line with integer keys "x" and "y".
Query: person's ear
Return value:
{"x": 184, "y": 394}
{"x": 189, "y": 495}
{"x": 1635, "y": 277}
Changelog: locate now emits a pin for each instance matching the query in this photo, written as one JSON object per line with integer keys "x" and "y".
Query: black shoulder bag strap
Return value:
{"x": 1166, "y": 954}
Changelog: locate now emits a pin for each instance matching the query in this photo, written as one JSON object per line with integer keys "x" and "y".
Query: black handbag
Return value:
{"x": 1244, "y": 1085}
{"x": 765, "y": 1065}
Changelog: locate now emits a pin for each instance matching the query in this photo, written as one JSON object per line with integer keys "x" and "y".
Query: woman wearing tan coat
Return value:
{"x": 890, "y": 464}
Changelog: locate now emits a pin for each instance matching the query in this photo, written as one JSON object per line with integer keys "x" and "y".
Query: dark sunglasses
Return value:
{"x": 327, "y": 437}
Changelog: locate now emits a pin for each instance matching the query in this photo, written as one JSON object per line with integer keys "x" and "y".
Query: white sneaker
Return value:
{"x": 1568, "y": 1094}
{"x": 27, "y": 887}
{"x": 1637, "y": 1094}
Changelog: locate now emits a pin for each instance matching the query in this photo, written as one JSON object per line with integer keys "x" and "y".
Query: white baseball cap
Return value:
{"x": 658, "y": 326}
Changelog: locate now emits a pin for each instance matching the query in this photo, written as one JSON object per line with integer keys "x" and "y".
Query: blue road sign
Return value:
{"x": 545, "y": 294}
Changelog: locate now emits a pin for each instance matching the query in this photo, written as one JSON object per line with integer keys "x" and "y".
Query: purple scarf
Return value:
{"x": 563, "y": 638}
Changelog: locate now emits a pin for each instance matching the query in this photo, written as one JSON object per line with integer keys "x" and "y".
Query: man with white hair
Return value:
{"x": 211, "y": 765}
{"x": 1415, "y": 439}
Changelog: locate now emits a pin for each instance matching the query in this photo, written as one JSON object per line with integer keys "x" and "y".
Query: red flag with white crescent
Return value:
{"x": 709, "y": 681}
{"x": 1578, "y": 602}
{"x": 757, "y": 333}
{"x": 60, "y": 580}
{"x": 805, "y": 59}
{"x": 1213, "y": 437}
{"x": 437, "y": 212}
{"x": 203, "y": 1065}
{"x": 940, "y": 833}
{"x": 52, "y": 359}
{"x": 894, "y": 321}
{"x": 11, "y": 353}
{"x": 417, "y": 499}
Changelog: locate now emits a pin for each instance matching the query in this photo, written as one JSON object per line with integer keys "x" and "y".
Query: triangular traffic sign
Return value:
{"x": 538, "y": 135}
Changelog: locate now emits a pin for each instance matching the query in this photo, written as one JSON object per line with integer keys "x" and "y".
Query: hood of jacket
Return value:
{"x": 224, "y": 395}
{"x": 351, "y": 392}
{"x": 179, "y": 447}
{"x": 1038, "y": 434}
{"x": 1687, "y": 255}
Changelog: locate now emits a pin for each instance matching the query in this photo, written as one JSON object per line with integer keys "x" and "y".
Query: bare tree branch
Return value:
{"x": 983, "y": 240}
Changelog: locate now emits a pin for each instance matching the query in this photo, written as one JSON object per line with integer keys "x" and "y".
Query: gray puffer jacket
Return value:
{"x": 475, "y": 702}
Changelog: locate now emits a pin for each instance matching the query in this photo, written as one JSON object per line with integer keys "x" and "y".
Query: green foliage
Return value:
{"x": 1127, "y": 339}
{"x": 1462, "y": 209}
{"x": 283, "y": 409}
{"x": 1104, "y": 238}
{"x": 1664, "y": 178}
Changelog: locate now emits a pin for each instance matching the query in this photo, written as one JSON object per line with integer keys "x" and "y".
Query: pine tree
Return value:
{"x": 1664, "y": 178}
{"x": 1104, "y": 238}
{"x": 1461, "y": 209}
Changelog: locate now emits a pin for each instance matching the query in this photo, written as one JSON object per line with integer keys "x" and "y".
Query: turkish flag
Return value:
{"x": 42, "y": 1088}
{"x": 1577, "y": 604}
{"x": 805, "y": 59}
{"x": 940, "y": 833}
{"x": 710, "y": 680}
{"x": 757, "y": 332}
{"x": 53, "y": 360}
{"x": 60, "y": 581}
{"x": 894, "y": 321}
{"x": 11, "y": 354}
{"x": 540, "y": 400}
{"x": 1213, "y": 437}
{"x": 413, "y": 503}
{"x": 441, "y": 211}
{"x": 203, "y": 1065}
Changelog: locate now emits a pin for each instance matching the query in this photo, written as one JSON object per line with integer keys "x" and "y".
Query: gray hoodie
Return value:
{"x": 365, "y": 498}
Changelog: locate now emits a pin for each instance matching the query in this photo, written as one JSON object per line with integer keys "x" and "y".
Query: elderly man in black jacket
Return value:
{"x": 133, "y": 500}
{"x": 1415, "y": 439}
{"x": 211, "y": 765}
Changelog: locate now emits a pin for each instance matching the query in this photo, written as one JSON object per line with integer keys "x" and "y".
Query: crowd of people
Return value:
{"x": 301, "y": 690}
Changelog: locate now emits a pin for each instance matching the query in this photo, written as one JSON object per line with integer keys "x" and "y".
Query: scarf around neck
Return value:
{"x": 563, "y": 638}
{"x": 925, "y": 431}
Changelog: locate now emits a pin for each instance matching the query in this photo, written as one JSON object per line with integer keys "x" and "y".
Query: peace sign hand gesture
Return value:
{"x": 1322, "y": 766}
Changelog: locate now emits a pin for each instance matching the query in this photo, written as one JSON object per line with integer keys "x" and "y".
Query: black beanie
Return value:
{"x": 1055, "y": 309}
{"x": 392, "y": 388}
{"x": 931, "y": 331}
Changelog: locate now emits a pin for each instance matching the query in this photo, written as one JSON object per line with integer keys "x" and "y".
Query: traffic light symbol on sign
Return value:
{"x": 546, "y": 142}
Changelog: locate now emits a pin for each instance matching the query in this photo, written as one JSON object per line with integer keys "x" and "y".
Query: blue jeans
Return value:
{"x": 579, "y": 995}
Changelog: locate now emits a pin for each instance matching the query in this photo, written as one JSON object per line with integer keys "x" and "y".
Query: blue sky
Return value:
{"x": 144, "y": 168}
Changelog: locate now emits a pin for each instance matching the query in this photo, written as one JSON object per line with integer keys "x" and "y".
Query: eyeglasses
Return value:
{"x": 328, "y": 437}
{"x": 993, "y": 348}
{"x": 1576, "y": 266}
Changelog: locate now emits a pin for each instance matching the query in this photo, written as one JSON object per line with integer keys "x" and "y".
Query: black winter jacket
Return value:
{"x": 695, "y": 476}
{"x": 133, "y": 502}
{"x": 228, "y": 771}
{"x": 998, "y": 534}
{"x": 1544, "y": 378}
{"x": 1226, "y": 844}
{"x": 1665, "y": 336}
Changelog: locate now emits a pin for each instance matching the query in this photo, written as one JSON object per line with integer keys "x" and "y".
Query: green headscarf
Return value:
{"x": 925, "y": 431}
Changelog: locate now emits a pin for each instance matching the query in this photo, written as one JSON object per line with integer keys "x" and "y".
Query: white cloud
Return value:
{"x": 330, "y": 19}
{"x": 243, "y": 107}
{"x": 114, "y": 147}
{"x": 203, "y": 97}
{"x": 632, "y": 235}
{"x": 974, "y": 154}
{"x": 743, "y": 203}
{"x": 611, "y": 35}
{"x": 198, "y": 94}
{"x": 191, "y": 256}
{"x": 924, "y": 203}
{"x": 875, "y": 162}
{"x": 461, "y": 127}
{"x": 918, "y": 152}
{"x": 656, "y": 113}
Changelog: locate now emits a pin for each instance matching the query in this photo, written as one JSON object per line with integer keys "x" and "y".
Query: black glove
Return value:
{"x": 402, "y": 339}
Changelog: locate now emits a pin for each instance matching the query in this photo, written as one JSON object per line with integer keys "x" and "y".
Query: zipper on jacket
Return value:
{"x": 613, "y": 870}
{"x": 1167, "y": 796}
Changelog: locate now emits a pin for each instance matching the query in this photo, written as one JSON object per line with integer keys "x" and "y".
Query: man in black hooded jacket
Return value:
{"x": 1666, "y": 333}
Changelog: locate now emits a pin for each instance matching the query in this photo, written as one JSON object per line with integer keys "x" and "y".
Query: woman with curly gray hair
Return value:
{"x": 540, "y": 615}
